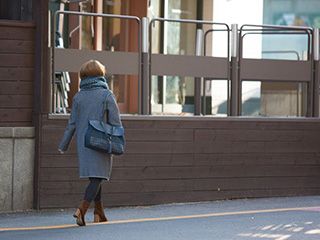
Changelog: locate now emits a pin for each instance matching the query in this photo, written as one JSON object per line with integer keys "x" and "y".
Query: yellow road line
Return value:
{"x": 221, "y": 214}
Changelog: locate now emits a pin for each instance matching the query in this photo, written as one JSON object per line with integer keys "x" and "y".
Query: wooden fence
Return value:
{"x": 16, "y": 73}
{"x": 191, "y": 159}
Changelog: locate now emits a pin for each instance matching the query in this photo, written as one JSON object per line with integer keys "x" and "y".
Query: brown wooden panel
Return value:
{"x": 116, "y": 62}
{"x": 260, "y": 158}
{"x": 16, "y": 87}
{"x": 195, "y": 172}
{"x": 193, "y": 66}
{"x": 184, "y": 135}
{"x": 169, "y": 185}
{"x": 216, "y": 159}
{"x": 16, "y": 32}
{"x": 129, "y": 199}
{"x": 16, "y": 60}
{"x": 205, "y": 135}
{"x": 51, "y": 138}
{"x": 27, "y": 123}
{"x": 16, "y": 73}
{"x": 126, "y": 160}
{"x": 16, "y": 101}
{"x": 16, "y": 46}
{"x": 15, "y": 115}
{"x": 54, "y": 135}
{"x": 230, "y": 123}
{"x": 276, "y": 70}
{"x": 224, "y": 158}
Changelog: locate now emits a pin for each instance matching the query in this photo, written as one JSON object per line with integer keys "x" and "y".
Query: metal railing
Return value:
{"x": 287, "y": 71}
{"x": 233, "y": 67}
{"x": 76, "y": 66}
{"x": 193, "y": 71}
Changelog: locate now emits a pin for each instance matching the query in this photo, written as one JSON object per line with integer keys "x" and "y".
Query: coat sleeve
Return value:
{"x": 70, "y": 129}
{"x": 113, "y": 111}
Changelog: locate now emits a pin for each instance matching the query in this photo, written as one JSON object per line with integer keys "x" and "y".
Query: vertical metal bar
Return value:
{"x": 316, "y": 43}
{"x": 53, "y": 47}
{"x": 165, "y": 48}
{"x": 234, "y": 71}
{"x": 150, "y": 60}
{"x": 198, "y": 80}
{"x": 204, "y": 102}
{"x": 140, "y": 70}
{"x": 145, "y": 98}
{"x": 228, "y": 73}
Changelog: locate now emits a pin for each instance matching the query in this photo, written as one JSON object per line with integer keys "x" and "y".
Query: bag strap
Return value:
{"x": 106, "y": 108}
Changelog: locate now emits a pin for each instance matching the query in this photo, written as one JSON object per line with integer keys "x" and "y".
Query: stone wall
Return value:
{"x": 16, "y": 168}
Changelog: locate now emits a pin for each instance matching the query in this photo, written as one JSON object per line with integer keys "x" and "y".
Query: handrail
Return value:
{"x": 274, "y": 29}
{"x": 264, "y": 28}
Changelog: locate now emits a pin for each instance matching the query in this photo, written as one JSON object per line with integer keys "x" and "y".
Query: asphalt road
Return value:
{"x": 296, "y": 218}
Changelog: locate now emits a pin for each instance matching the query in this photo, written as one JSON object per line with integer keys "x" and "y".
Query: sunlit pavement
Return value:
{"x": 295, "y": 218}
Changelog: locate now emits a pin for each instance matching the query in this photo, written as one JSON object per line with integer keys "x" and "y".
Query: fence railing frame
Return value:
{"x": 233, "y": 65}
{"x": 275, "y": 29}
{"x": 124, "y": 17}
{"x": 198, "y": 80}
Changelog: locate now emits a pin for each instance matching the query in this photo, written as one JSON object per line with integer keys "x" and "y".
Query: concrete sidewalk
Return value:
{"x": 272, "y": 218}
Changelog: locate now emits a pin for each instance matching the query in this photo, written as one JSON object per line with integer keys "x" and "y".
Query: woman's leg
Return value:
{"x": 99, "y": 215}
{"x": 98, "y": 196}
{"x": 90, "y": 194}
{"x": 93, "y": 188}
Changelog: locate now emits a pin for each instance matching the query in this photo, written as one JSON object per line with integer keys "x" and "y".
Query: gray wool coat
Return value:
{"x": 89, "y": 105}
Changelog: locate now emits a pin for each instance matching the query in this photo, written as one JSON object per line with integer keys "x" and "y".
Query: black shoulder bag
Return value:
{"x": 104, "y": 137}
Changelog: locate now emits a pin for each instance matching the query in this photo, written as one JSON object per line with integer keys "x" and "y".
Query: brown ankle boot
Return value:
{"x": 80, "y": 213}
{"x": 99, "y": 215}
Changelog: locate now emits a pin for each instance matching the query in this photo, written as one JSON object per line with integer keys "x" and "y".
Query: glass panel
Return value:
{"x": 86, "y": 26}
{"x": 219, "y": 97}
{"x": 127, "y": 98}
{"x": 275, "y": 46}
{"x": 109, "y": 34}
{"x": 174, "y": 94}
{"x": 274, "y": 99}
{"x": 251, "y": 95}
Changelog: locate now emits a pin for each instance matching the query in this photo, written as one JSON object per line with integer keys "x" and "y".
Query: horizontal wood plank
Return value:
{"x": 134, "y": 199}
{"x": 175, "y": 185}
{"x": 17, "y": 32}
{"x": 16, "y": 46}
{"x": 197, "y": 172}
{"x": 16, "y": 74}
{"x": 16, "y": 101}
{"x": 15, "y": 115}
{"x": 16, "y": 60}
{"x": 16, "y": 87}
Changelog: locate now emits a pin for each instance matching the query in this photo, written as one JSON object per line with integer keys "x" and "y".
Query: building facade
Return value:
{"x": 163, "y": 81}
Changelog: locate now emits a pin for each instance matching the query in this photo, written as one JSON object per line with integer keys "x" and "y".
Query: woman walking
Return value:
{"x": 89, "y": 104}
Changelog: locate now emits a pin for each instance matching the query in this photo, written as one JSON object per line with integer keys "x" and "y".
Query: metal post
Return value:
{"x": 145, "y": 91}
{"x": 316, "y": 43}
{"x": 234, "y": 71}
{"x": 198, "y": 80}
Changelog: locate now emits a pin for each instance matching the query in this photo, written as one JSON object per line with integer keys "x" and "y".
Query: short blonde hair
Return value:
{"x": 92, "y": 68}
